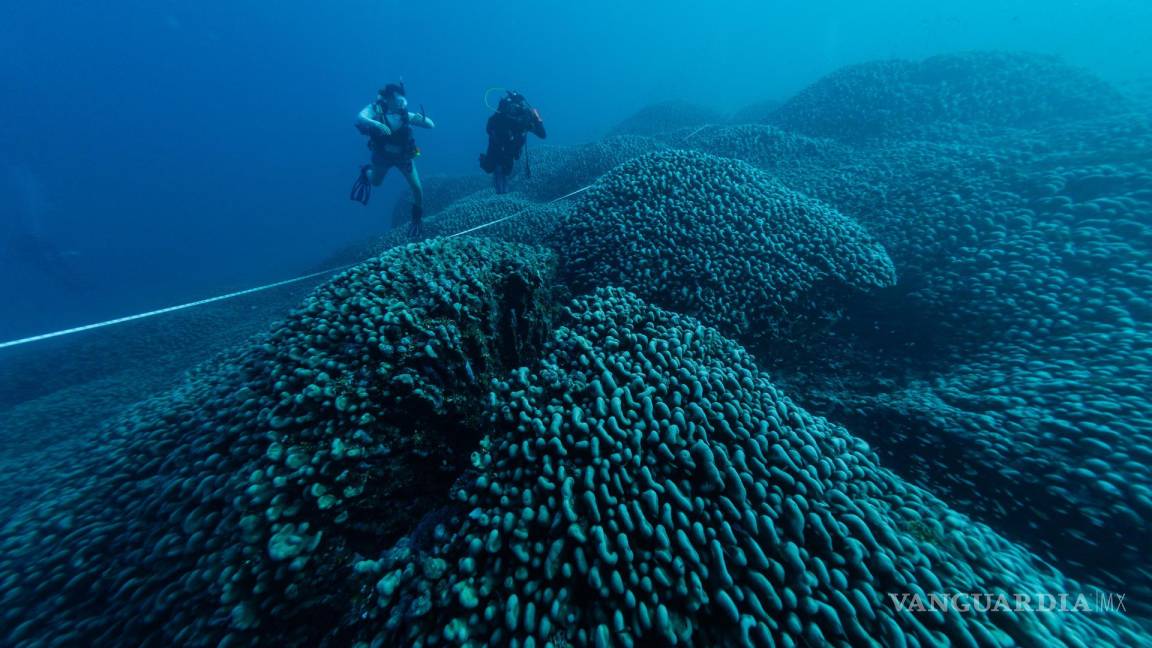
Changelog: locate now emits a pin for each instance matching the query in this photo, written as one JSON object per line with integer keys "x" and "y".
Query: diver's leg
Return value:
{"x": 377, "y": 172}
{"x": 413, "y": 178}
{"x": 505, "y": 174}
{"x": 415, "y": 228}
{"x": 498, "y": 179}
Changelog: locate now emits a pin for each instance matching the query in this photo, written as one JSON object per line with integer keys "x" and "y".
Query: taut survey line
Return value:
{"x": 248, "y": 291}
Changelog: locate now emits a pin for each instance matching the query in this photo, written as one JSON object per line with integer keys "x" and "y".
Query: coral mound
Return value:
{"x": 235, "y": 507}
{"x": 665, "y": 117}
{"x": 900, "y": 98}
{"x": 557, "y": 170}
{"x": 716, "y": 239}
{"x": 648, "y": 485}
{"x": 771, "y": 149}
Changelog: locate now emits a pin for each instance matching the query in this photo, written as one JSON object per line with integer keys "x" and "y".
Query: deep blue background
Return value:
{"x": 182, "y": 148}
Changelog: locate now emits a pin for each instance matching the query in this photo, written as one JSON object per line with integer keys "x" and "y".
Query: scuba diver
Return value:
{"x": 388, "y": 125}
{"x": 507, "y": 135}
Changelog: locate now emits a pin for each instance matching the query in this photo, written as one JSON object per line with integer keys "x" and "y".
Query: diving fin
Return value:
{"x": 362, "y": 188}
{"x": 416, "y": 226}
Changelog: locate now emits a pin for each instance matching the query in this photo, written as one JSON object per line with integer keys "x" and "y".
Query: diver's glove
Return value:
{"x": 416, "y": 226}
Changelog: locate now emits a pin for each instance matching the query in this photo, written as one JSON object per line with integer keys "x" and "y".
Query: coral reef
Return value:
{"x": 666, "y": 117}
{"x": 648, "y": 485}
{"x": 900, "y": 99}
{"x": 1004, "y": 372}
{"x": 234, "y": 506}
{"x": 894, "y": 340}
{"x": 717, "y": 239}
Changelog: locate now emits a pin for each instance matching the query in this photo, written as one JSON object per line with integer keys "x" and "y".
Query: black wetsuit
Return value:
{"x": 507, "y": 132}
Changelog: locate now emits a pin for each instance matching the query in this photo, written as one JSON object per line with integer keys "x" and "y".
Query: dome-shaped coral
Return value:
{"x": 897, "y": 98}
{"x": 646, "y": 484}
{"x": 717, "y": 239}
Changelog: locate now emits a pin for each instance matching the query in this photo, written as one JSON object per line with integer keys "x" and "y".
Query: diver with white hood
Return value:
{"x": 388, "y": 125}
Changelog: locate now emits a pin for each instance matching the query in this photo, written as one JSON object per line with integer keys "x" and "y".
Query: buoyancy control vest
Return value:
{"x": 401, "y": 142}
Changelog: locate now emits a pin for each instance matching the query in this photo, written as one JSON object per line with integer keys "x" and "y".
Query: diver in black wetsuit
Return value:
{"x": 508, "y": 129}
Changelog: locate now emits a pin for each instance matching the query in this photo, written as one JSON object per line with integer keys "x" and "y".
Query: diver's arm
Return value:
{"x": 537, "y": 127}
{"x": 420, "y": 120}
{"x": 366, "y": 123}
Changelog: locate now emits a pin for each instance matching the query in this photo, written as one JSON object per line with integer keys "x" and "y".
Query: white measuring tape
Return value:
{"x": 693, "y": 133}
{"x": 514, "y": 215}
{"x": 249, "y": 291}
{"x": 170, "y": 309}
